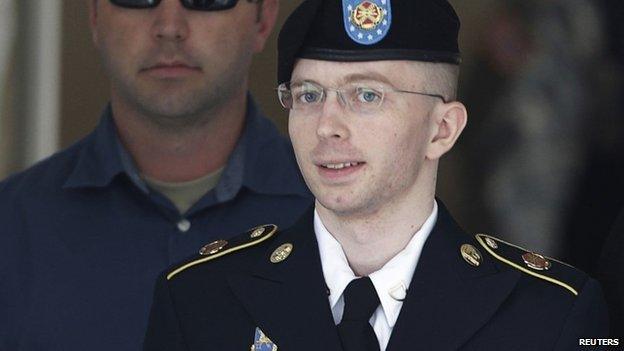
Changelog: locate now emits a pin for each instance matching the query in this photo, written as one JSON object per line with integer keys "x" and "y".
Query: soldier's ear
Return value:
{"x": 92, "y": 4}
{"x": 267, "y": 17}
{"x": 448, "y": 121}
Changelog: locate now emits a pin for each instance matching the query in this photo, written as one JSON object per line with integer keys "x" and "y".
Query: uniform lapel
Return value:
{"x": 448, "y": 300}
{"x": 288, "y": 300}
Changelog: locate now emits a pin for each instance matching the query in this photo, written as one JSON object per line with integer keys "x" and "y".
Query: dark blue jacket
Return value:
{"x": 82, "y": 238}
{"x": 450, "y": 305}
{"x": 610, "y": 273}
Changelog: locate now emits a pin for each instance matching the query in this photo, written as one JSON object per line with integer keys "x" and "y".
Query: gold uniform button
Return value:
{"x": 281, "y": 253}
{"x": 491, "y": 243}
{"x": 471, "y": 255}
{"x": 213, "y": 247}
{"x": 536, "y": 261}
{"x": 257, "y": 232}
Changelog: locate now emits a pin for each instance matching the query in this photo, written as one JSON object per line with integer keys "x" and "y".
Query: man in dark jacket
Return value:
{"x": 181, "y": 156}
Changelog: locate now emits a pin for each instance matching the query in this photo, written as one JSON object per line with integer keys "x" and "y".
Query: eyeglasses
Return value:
{"x": 201, "y": 5}
{"x": 308, "y": 97}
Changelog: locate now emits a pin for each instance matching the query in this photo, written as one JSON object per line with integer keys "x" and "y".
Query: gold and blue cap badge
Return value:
{"x": 367, "y": 22}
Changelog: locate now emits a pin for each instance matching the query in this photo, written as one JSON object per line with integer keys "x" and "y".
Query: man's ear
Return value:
{"x": 92, "y": 4}
{"x": 266, "y": 22}
{"x": 448, "y": 122}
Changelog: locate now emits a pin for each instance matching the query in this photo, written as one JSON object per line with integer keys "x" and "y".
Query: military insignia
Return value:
{"x": 221, "y": 248}
{"x": 262, "y": 342}
{"x": 257, "y": 232}
{"x": 491, "y": 243}
{"x": 536, "y": 261}
{"x": 281, "y": 253}
{"x": 471, "y": 255}
{"x": 367, "y": 15}
{"x": 367, "y": 21}
{"x": 519, "y": 258}
{"x": 212, "y": 248}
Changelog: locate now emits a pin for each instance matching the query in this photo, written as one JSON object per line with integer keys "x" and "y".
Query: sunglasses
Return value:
{"x": 201, "y": 5}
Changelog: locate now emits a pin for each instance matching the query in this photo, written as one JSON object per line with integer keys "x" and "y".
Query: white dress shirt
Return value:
{"x": 391, "y": 281}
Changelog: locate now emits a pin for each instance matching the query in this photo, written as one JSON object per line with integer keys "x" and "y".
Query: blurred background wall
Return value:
{"x": 541, "y": 162}
{"x": 7, "y": 27}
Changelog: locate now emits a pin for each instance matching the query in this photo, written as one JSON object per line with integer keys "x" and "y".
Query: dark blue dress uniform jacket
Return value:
{"x": 610, "y": 273}
{"x": 82, "y": 240}
{"x": 450, "y": 305}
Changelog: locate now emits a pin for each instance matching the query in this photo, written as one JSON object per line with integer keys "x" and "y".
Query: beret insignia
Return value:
{"x": 367, "y": 21}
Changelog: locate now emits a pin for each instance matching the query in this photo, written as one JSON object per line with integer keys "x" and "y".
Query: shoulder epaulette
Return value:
{"x": 220, "y": 248}
{"x": 533, "y": 264}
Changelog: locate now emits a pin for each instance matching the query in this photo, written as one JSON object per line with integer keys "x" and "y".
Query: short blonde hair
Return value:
{"x": 439, "y": 78}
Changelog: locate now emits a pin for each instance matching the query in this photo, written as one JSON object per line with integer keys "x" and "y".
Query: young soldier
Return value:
{"x": 378, "y": 263}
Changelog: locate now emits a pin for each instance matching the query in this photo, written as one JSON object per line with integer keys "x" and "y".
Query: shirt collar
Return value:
{"x": 262, "y": 160}
{"x": 336, "y": 268}
{"x": 269, "y": 162}
{"x": 391, "y": 281}
{"x": 99, "y": 160}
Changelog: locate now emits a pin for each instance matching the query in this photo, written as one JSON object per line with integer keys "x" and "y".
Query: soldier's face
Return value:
{"x": 357, "y": 164}
{"x": 172, "y": 61}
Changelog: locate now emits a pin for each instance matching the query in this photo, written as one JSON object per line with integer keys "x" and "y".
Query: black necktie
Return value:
{"x": 361, "y": 301}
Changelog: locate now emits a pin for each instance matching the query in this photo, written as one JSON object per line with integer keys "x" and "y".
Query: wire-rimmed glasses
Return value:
{"x": 361, "y": 98}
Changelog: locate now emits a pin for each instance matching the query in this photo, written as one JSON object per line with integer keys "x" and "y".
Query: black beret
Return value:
{"x": 369, "y": 30}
